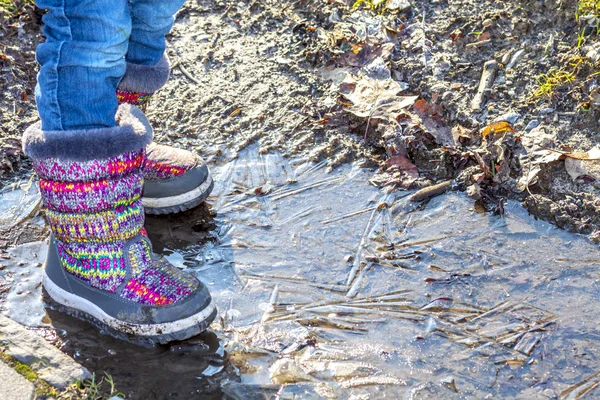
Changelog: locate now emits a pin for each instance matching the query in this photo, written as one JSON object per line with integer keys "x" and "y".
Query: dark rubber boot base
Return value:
{"x": 181, "y": 207}
{"x": 145, "y": 341}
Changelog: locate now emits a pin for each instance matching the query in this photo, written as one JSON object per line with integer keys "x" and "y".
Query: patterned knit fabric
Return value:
{"x": 94, "y": 208}
{"x": 137, "y": 99}
{"x": 160, "y": 283}
{"x": 162, "y": 162}
{"x": 166, "y": 162}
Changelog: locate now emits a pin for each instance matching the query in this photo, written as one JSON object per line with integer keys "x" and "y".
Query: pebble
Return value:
{"x": 398, "y": 5}
{"x": 516, "y": 58}
{"x": 593, "y": 53}
{"x": 51, "y": 364}
{"x": 534, "y": 123}
{"x": 547, "y": 110}
{"x": 510, "y": 117}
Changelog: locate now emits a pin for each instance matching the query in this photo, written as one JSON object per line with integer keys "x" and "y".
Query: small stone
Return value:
{"x": 593, "y": 53}
{"x": 547, "y": 110}
{"x": 510, "y": 117}
{"x": 51, "y": 364}
{"x": 450, "y": 383}
{"x": 534, "y": 123}
{"x": 398, "y": 5}
{"x": 474, "y": 191}
{"x": 13, "y": 385}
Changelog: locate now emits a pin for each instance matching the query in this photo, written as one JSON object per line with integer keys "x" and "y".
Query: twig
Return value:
{"x": 488, "y": 75}
{"x": 187, "y": 74}
{"x": 424, "y": 45}
{"x": 179, "y": 63}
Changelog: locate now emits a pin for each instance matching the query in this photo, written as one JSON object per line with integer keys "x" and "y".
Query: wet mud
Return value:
{"x": 330, "y": 288}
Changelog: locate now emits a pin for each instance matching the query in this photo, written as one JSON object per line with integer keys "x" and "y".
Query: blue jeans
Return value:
{"x": 84, "y": 56}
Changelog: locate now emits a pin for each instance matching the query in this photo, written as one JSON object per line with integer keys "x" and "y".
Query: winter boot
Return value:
{"x": 176, "y": 180}
{"x": 100, "y": 265}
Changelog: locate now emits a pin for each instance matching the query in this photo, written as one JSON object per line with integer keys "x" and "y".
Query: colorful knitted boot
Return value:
{"x": 100, "y": 264}
{"x": 176, "y": 180}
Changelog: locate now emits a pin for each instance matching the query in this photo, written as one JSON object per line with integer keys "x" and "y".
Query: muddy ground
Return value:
{"x": 318, "y": 78}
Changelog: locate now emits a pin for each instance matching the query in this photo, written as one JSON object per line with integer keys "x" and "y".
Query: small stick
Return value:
{"x": 431, "y": 191}
{"x": 480, "y": 43}
{"x": 187, "y": 74}
{"x": 490, "y": 69}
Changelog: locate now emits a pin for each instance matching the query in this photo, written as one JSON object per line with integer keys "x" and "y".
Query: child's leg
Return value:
{"x": 81, "y": 62}
{"x": 175, "y": 179}
{"x": 147, "y": 67}
{"x": 89, "y": 156}
{"x": 151, "y": 21}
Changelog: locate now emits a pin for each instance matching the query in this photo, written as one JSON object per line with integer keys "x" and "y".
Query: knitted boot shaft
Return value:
{"x": 141, "y": 81}
{"x": 100, "y": 265}
{"x": 96, "y": 215}
{"x": 93, "y": 209}
{"x": 138, "y": 99}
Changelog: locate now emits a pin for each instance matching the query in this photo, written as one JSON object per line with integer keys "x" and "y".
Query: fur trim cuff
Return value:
{"x": 133, "y": 133}
{"x": 145, "y": 78}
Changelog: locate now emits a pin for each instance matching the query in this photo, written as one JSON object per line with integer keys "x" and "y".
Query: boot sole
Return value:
{"x": 143, "y": 334}
{"x": 183, "y": 202}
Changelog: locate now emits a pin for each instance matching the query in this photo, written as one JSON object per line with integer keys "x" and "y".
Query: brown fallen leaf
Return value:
{"x": 425, "y": 109}
{"x": 464, "y": 135}
{"x": 421, "y": 107}
{"x": 374, "y": 98}
{"x": 456, "y": 35}
{"x": 409, "y": 171}
{"x": 581, "y": 156}
{"x": 402, "y": 162}
{"x": 484, "y": 36}
{"x": 497, "y": 128}
{"x": 431, "y": 118}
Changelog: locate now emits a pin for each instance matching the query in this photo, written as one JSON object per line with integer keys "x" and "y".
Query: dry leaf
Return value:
{"x": 463, "y": 135}
{"x": 402, "y": 163}
{"x": 584, "y": 156}
{"x": 362, "y": 54}
{"x": 421, "y": 107}
{"x": 583, "y": 164}
{"x": 374, "y": 98}
{"x": 456, "y": 35}
{"x": 497, "y": 128}
{"x": 484, "y": 36}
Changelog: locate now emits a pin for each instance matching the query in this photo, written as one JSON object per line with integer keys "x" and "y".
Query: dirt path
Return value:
{"x": 241, "y": 75}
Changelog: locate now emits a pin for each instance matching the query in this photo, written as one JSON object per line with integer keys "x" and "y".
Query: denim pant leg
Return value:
{"x": 151, "y": 21}
{"x": 81, "y": 62}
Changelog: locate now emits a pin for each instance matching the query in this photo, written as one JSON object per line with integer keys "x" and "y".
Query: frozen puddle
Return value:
{"x": 328, "y": 288}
